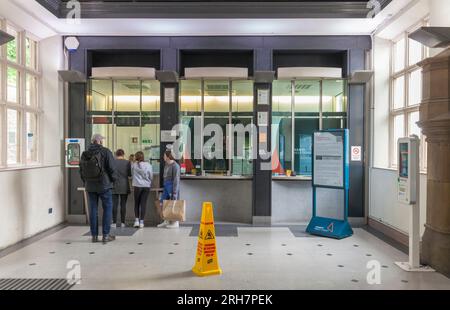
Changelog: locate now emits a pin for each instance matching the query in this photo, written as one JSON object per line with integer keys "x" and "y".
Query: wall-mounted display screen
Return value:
{"x": 403, "y": 158}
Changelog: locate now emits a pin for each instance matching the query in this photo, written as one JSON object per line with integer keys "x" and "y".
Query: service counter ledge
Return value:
{"x": 215, "y": 177}
{"x": 294, "y": 178}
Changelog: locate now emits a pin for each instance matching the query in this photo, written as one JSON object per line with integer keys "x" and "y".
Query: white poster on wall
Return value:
{"x": 168, "y": 136}
{"x": 263, "y": 119}
{"x": 328, "y": 160}
{"x": 169, "y": 94}
{"x": 356, "y": 153}
{"x": 263, "y": 96}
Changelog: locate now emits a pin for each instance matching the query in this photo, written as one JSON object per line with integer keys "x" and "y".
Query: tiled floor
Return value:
{"x": 258, "y": 258}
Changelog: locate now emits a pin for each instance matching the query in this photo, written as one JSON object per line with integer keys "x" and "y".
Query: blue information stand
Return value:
{"x": 328, "y": 227}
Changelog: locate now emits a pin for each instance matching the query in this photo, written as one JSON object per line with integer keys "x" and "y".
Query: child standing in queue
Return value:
{"x": 171, "y": 185}
{"x": 142, "y": 181}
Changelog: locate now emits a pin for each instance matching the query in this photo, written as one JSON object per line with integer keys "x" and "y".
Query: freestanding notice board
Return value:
{"x": 330, "y": 166}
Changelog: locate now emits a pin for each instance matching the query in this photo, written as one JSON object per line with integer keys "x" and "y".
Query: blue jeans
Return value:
{"x": 168, "y": 190}
{"x": 107, "y": 205}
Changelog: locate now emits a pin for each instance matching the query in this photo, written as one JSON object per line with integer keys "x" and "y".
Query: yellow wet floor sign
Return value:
{"x": 206, "y": 261}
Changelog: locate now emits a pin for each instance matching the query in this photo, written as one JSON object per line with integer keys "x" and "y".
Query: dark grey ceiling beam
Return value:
{"x": 5, "y": 37}
{"x": 53, "y": 6}
{"x": 221, "y": 9}
{"x": 434, "y": 37}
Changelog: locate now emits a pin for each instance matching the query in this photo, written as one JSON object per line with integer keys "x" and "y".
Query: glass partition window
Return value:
{"x": 20, "y": 109}
{"x": 307, "y": 120}
{"x": 217, "y": 114}
{"x": 282, "y": 124}
{"x": 334, "y": 104}
{"x": 242, "y": 115}
{"x": 190, "y": 116}
{"x": 101, "y": 96}
{"x": 150, "y": 122}
{"x": 126, "y": 113}
{"x": 299, "y": 108}
{"x": 207, "y": 108}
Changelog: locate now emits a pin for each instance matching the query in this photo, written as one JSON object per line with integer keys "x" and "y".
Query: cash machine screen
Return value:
{"x": 403, "y": 160}
{"x": 73, "y": 154}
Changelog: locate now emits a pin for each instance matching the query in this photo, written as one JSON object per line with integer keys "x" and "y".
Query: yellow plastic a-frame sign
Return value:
{"x": 206, "y": 262}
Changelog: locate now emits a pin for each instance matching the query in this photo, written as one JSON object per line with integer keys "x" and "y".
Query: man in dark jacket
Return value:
{"x": 99, "y": 188}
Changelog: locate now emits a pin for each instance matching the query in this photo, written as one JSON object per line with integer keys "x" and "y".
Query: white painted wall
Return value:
{"x": 28, "y": 194}
{"x": 383, "y": 200}
{"x": 439, "y": 17}
{"x": 380, "y": 111}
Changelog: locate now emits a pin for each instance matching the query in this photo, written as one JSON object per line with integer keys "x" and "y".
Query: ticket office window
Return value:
{"x": 127, "y": 114}
{"x": 299, "y": 108}
{"x": 214, "y": 104}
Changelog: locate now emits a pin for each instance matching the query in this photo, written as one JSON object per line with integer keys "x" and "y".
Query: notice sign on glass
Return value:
{"x": 328, "y": 159}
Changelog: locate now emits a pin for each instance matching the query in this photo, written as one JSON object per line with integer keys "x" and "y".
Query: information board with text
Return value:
{"x": 328, "y": 165}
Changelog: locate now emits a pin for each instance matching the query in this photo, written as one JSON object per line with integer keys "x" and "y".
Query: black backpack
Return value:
{"x": 91, "y": 165}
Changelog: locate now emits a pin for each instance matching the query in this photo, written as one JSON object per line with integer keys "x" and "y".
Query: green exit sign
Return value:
{"x": 148, "y": 141}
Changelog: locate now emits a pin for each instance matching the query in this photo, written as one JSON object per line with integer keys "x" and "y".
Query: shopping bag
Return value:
{"x": 174, "y": 210}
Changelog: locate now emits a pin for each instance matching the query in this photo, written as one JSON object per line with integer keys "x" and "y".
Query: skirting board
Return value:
{"x": 389, "y": 231}
{"x": 262, "y": 220}
{"x": 25, "y": 242}
{"x": 76, "y": 219}
{"x": 357, "y": 222}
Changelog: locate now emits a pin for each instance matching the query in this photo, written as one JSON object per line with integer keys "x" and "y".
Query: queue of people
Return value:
{"x": 108, "y": 178}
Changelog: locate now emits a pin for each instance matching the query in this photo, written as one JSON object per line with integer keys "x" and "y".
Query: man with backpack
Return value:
{"x": 98, "y": 172}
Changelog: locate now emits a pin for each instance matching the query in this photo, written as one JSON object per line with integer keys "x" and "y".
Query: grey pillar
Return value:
{"x": 169, "y": 114}
{"x": 262, "y": 167}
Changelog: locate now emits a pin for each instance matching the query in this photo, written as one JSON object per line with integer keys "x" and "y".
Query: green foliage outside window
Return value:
{"x": 12, "y": 50}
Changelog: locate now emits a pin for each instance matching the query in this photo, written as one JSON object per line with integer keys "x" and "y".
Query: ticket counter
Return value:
{"x": 226, "y": 181}
{"x": 300, "y": 107}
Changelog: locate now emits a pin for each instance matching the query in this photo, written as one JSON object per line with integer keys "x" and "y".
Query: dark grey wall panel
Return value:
{"x": 77, "y": 120}
{"x": 356, "y": 100}
{"x": 262, "y": 178}
{"x": 216, "y": 58}
{"x": 311, "y": 58}
{"x": 263, "y": 59}
{"x": 125, "y": 58}
{"x": 318, "y": 42}
{"x": 129, "y": 43}
{"x": 169, "y": 115}
{"x": 169, "y": 59}
{"x": 224, "y": 43}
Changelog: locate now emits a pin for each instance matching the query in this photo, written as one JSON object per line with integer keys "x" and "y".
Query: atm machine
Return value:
{"x": 73, "y": 150}
{"x": 408, "y": 193}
